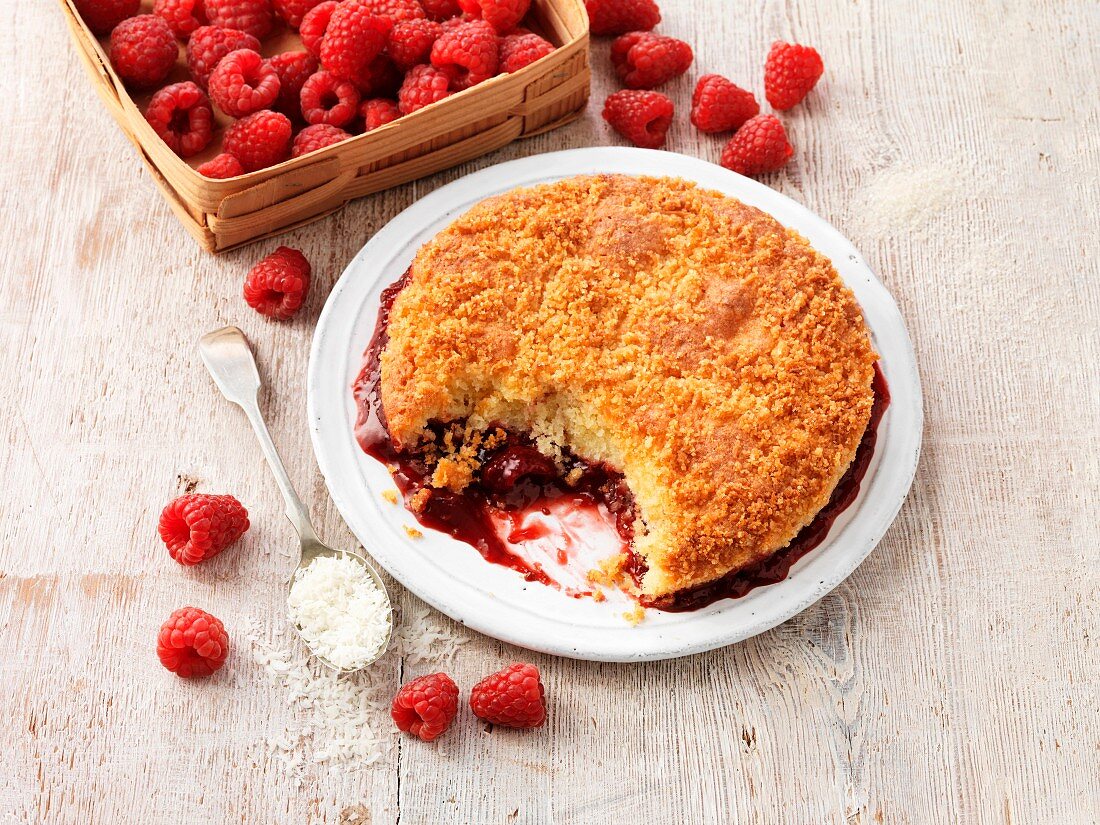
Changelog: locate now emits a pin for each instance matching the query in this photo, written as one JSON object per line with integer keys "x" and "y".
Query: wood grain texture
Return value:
{"x": 955, "y": 677}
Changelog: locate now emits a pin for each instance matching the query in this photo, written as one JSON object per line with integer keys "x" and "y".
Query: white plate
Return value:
{"x": 496, "y": 600}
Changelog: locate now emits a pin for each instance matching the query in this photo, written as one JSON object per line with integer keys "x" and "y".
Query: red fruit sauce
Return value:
{"x": 516, "y": 483}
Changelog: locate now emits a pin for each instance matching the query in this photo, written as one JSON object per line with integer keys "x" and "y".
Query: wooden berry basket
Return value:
{"x": 223, "y": 214}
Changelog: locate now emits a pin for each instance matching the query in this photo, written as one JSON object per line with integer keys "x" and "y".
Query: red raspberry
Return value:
{"x": 254, "y": 17}
{"x": 502, "y": 15}
{"x": 411, "y": 42}
{"x": 209, "y": 44}
{"x": 643, "y": 60}
{"x": 181, "y": 115}
{"x": 378, "y": 112}
{"x": 719, "y": 105}
{"x": 328, "y": 100}
{"x": 440, "y": 10}
{"x": 221, "y": 166}
{"x": 395, "y": 10}
{"x": 103, "y": 15}
{"x": 381, "y": 78}
{"x": 293, "y": 68}
{"x": 314, "y": 24}
{"x": 143, "y": 50}
{"x": 759, "y": 146}
{"x": 641, "y": 117}
{"x": 513, "y": 697}
{"x": 789, "y": 73}
{"x": 196, "y": 527}
{"x": 182, "y": 16}
{"x": 259, "y": 140}
{"x": 462, "y": 19}
{"x": 243, "y": 83}
{"x": 468, "y": 54}
{"x": 622, "y": 16}
{"x": 353, "y": 38}
{"x": 192, "y": 643}
{"x": 426, "y": 706}
{"x": 423, "y": 85}
{"x": 315, "y": 137}
{"x": 277, "y": 286}
{"x": 519, "y": 50}
{"x": 292, "y": 12}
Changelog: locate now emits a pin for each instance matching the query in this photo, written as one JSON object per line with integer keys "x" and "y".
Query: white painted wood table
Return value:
{"x": 953, "y": 678}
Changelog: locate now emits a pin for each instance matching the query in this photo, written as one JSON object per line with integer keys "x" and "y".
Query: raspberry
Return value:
{"x": 221, "y": 166}
{"x": 328, "y": 100}
{"x": 314, "y": 24}
{"x": 426, "y": 706}
{"x": 411, "y": 42}
{"x": 423, "y": 85}
{"x": 143, "y": 50}
{"x": 243, "y": 83}
{"x": 440, "y": 10}
{"x": 378, "y": 112}
{"x": 254, "y": 17}
{"x": 182, "y": 16}
{"x": 462, "y": 19}
{"x": 519, "y": 50}
{"x": 759, "y": 146}
{"x": 197, "y": 527}
{"x": 789, "y": 73}
{"x": 622, "y": 16}
{"x": 353, "y": 38}
{"x": 103, "y": 15}
{"x": 643, "y": 60}
{"x": 259, "y": 140}
{"x": 468, "y": 54}
{"x": 192, "y": 643}
{"x": 292, "y": 12}
{"x": 293, "y": 68}
{"x": 381, "y": 78}
{"x": 502, "y": 15}
{"x": 513, "y": 697}
{"x": 181, "y": 115}
{"x": 277, "y": 286}
{"x": 641, "y": 117}
{"x": 718, "y": 105}
{"x": 209, "y": 44}
{"x": 395, "y": 10}
{"x": 315, "y": 137}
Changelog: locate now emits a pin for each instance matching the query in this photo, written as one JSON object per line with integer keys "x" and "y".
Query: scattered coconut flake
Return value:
{"x": 910, "y": 200}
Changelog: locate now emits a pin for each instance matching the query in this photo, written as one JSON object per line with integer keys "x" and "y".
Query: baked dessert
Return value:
{"x": 668, "y": 351}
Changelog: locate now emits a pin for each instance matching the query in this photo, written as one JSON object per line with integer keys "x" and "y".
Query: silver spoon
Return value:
{"x": 229, "y": 358}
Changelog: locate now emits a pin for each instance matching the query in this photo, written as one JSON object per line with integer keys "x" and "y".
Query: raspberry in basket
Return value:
{"x": 291, "y": 12}
{"x": 259, "y": 140}
{"x": 425, "y": 707}
{"x": 622, "y": 16}
{"x": 644, "y": 61}
{"x": 381, "y": 78}
{"x": 209, "y": 44}
{"x": 513, "y": 697}
{"x": 759, "y": 146}
{"x": 642, "y": 117}
{"x": 192, "y": 643}
{"x": 440, "y": 10}
{"x": 328, "y": 100}
{"x": 395, "y": 10}
{"x": 103, "y": 15}
{"x": 377, "y": 112}
{"x": 243, "y": 83}
{"x": 221, "y": 166}
{"x": 502, "y": 15}
{"x": 314, "y": 24}
{"x": 468, "y": 54}
{"x": 277, "y": 286}
{"x": 411, "y": 42}
{"x": 196, "y": 527}
{"x": 790, "y": 72}
{"x": 519, "y": 50}
{"x": 293, "y": 68}
{"x": 182, "y": 16}
{"x": 254, "y": 17}
{"x": 353, "y": 38}
{"x": 143, "y": 50}
{"x": 719, "y": 105}
{"x": 181, "y": 115}
{"x": 315, "y": 137}
{"x": 423, "y": 85}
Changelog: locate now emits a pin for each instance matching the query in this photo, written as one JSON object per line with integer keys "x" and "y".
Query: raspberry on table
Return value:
{"x": 221, "y": 166}
{"x": 277, "y": 286}
{"x": 325, "y": 99}
{"x": 642, "y": 117}
{"x": 377, "y": 112}
{"x": 259, "y": 140}
{"x": 719, "y": 105}
{"x": 313, "y": 26}
{"x": 291, "y": 12}
{"x": 468, "y": 54}
{"x": 315, "y": 137}
{"x": 192, "y": 643}
{"x": 353, "y": 38}
{"x": 622, "y": 16}
{"x": 790, "y": 72}
{"x": 513, "y": 697}
{"x": 395, "y": 10}
{"x": 440, "y": 10}
{"x": 209, "y": 44}
{"x": 423, "y": 85}
{"x": 182, "y": 16}
{"x": 425, "y": 707}
{"x": 644, "y": 61}
{"x": 380, "y": 78}
{"x": 143, "y": 50}
{"x": 103, "y": 15}
{"x": 411, "y": 42}
{"x": 243, "y": 83}
{"x": 519, "y": 50}
{"x": 197, "y": 526}
{"x": 502, "y": 15}
{"x": 181, "y": 115}
{"x": 293, "y": 69}
{"x": 254, "y": 17}
{"x": 759, "y": 146}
